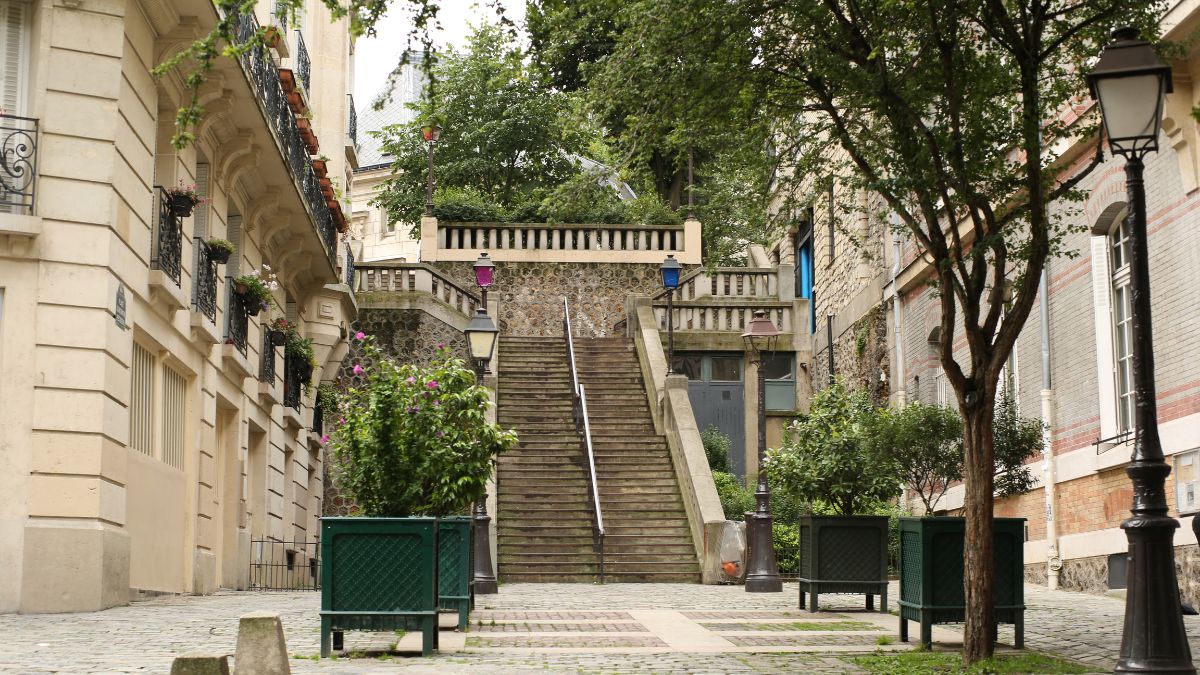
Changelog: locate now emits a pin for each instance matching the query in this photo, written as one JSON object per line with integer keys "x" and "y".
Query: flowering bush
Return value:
{"x": 259, "y": 284}
{"x": 413, "y": 440}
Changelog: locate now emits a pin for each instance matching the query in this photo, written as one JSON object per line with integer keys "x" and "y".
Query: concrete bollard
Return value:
{"x": 200, "y": 664}
{"x": 261, "y": 649}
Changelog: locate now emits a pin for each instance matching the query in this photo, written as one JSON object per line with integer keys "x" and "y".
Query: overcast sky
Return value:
{"x": 375, "y": 57}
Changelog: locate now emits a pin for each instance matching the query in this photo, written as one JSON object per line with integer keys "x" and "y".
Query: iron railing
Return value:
{"x": 348, "y": 267}
{"x": 293, "y": 381}
{"x": 318, "y": 423}
{"x": 303, "y": 64}
{"x": 18, "y": 163}
{"x": 204, "y": 289}
{"x": 263, "y": 74}
{"x": 266, "y": 369}
{"x": 285, "y": 565}
{"x": 237, "y": 320}
{"x": 352, "y": 128}
{"x": 281, "y": 14}
{"x": 583, "y": 426}
{"x": 167, "y": 245}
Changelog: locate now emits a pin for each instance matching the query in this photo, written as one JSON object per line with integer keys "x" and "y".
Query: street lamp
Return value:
{"x": 1130, "y": 82}
{"x": 481, "y": 342}
{"x": 762, "y": 570}
{"x": 485, "y": 271}
{"x": 431, "y": 133}
{"x": 670, "y": 280}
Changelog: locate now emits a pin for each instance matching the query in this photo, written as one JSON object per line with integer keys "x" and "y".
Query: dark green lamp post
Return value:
{"x": 762, "y": 570}
{"x": 670, "y": 270}
{"x": 481, "y": 341}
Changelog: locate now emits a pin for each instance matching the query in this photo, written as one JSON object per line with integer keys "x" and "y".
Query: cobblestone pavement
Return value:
{"x": 618, "y": 628}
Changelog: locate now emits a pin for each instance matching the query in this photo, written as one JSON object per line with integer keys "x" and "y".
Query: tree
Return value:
{"x": 828, "y": 457}
{"x": 506, "y": 133}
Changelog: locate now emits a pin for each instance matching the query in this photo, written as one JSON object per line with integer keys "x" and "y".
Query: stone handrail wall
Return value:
{"x": 724, "y": 315}
{"x": 414, "y": 278}
{"x": 542, "y": 242}
{"x": 672, "y": 412}
{"x": 728, "y": 282}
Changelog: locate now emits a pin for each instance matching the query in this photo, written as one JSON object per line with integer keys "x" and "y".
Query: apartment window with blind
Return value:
{"x": 14, "y": 54}
{"x": 141, "y": 401}
{"x": 1122, "y": 322}
{"x": 174, "y": 406}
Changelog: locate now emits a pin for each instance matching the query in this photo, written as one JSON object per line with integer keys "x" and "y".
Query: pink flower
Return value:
{"x": 411, "y": 380}
{"x": 325, "y": 439}
{"x": 441, "y": 345}
{"x": 360, "y": 335}
{"x": 358, "y": 369}
{"x": 436, "y": 402}
{"x": 432, "y": 384}
{"x": 341, "y": 420}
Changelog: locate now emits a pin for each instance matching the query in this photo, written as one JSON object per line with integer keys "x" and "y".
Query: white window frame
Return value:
{"x": 1102, "y": 300}
{"x": 19, "y": 107}
{"x": 1184, "y": 489}
{"x": 1121, "y": 323}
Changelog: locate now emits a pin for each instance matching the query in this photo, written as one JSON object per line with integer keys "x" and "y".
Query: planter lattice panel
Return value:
{"x": 454, "y": 566}
{"x": 843, "y": 554}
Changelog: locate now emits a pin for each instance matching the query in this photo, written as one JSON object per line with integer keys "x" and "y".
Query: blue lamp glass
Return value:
{"x": 670, "y": 273}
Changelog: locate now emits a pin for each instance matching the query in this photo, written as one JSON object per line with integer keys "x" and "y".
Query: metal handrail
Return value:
{"x": 584, "y": 427}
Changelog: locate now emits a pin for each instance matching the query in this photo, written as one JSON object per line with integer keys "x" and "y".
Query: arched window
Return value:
{"x": 1118, "y": 256}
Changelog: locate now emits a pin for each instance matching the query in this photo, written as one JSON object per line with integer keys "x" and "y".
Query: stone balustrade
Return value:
{"x": 728, "y": 282}
{"x": 414, "y": 278}
{"x": 541, "y": 242}
{"x": 724, "y": 315}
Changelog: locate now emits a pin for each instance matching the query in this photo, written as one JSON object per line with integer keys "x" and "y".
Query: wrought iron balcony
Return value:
{"x": 348, "y": 267}
{"x": 167, "y": 246}
{"x": 263, "y": 74}
{"x": 204, "y": 288}
{"x": 293, "y": 381}
{"x": 303, "y": 65}
{"x": 266, "y": 370}
{"x": 18, "y": 160}
{"x": 352, "y": 129}
{"x": 318, "y": 423}
{"x": 237, "y": 320}
{"x": 281, "y": 14}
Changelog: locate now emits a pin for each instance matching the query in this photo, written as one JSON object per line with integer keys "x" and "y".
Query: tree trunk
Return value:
{"x": 979, "y": 573}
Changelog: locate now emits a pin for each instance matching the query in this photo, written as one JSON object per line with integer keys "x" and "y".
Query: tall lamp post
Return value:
{"x": 670, "y": 280}
{"x": 1130, "y": 82}
{"x": 431, "y": 132}
{"x": 762, "y": 570}
{"x": 481, "y": 341}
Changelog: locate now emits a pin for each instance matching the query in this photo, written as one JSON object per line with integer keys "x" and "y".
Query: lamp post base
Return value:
{"x": 483, "y": 577}
{"x": 762, "y": 571}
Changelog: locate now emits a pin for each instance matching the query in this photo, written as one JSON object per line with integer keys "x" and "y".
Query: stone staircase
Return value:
{"x": 545, "y": 517}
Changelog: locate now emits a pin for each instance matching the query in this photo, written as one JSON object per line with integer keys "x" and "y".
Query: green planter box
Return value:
{"x": 844, "y": 554}
{"x": 931, "y": 573}
{"x": 454, "y": 566}
{"x": 379, "y": 574}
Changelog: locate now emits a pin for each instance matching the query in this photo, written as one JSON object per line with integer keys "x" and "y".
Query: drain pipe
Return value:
{"x": 897, "y": 313}
{"x": 1049, "y": 471}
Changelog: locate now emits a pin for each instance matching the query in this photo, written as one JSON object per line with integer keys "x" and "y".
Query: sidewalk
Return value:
{"x": 552, "y": 628}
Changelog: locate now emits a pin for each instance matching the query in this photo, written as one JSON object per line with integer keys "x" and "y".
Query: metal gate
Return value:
{"x": 717, "y": 394}
{"x": 285, "y": 565}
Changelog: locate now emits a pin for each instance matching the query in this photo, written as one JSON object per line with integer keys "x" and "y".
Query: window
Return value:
{"x": 174, "y": 410}
{"x": 1186, "y": 465}
{"x": 941, "y": 387}
{"x": 780, "y": 373}
{"x": 1121, "y": 322}
{"x": 804, "y": 267}
{"x": 157, "y": 424}
{"x": 14, "y": 49}
{"x": 727, "y": 368}
{"x": 141, "y": 406}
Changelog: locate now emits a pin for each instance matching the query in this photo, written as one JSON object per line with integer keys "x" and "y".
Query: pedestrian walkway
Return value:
{"x": 660, "y": 628}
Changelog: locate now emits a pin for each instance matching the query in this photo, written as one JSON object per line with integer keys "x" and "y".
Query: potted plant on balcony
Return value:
{"x": 256, "y": 288}
{"x": 320, "y": 166}
{"x": 287, "y": 80}
{"x": 925, "y": 444}
{"x": 280, "y": 329}
{"x": 219, "y": 250}
{"x": 272, "y": 36}
{"x": 183, "y": 199}
{"x": 299, "y": 350}
{"x": 411, "y": 446}
{"x": 827, "y": 461}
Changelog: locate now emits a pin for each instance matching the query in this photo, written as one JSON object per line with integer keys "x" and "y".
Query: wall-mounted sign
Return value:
{"x": 119, "y": 314}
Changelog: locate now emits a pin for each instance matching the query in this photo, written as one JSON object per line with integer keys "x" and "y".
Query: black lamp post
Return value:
{"x": 485, "y": 270}
{"x": 1130, "y": 82}
{"x": 431, "y": 132}
{"x": 762, "y": 570}
{"x": 670, "y": 280}
{"x": 481, "y": 340}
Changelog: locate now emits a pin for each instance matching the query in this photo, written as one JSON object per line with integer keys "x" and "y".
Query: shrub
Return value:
{"x": 465, "y": 205}
{"x": 716, "y": 448}
{"x": 827, "y": 456}
{"x": 525, "y": 212}
{"x": 736, "y": 498}
{"x": 413, "y": 440}
{"x": 786, "y": 537}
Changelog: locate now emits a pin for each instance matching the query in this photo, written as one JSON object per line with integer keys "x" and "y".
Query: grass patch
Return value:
{"x": 883, "y": 640}
{"x": 941, "y": 663}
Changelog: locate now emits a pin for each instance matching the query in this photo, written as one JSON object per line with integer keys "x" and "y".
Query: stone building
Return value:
{"x": 151, "y": 430}
{"x": 1070, "y": 366}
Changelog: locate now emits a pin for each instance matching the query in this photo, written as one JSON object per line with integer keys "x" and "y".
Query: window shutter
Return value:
{"x": 13, "y": 49}
{"x": 1102, "y": 308}
{"x": 200, "y": 226}
{"x": 233, "y": 232}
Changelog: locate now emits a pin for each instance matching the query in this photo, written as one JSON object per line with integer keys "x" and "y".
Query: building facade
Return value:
{"x": 151, "y": 429}
{"x": 1071, "y": 365}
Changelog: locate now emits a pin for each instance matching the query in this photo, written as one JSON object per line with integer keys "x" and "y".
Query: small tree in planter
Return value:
{"x": 412, "y": 441}
{"x": 925, "y": 444}
{"x": 827, "y": 457}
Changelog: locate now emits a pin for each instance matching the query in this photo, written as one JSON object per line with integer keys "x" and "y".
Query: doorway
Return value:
{"x": 717, "y": 393}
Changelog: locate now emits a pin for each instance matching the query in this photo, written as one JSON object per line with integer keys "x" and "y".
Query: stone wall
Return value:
{"x": 860, "y": 354}
{"x": 530, "y": 294}
{"x": 1090, "y": 575}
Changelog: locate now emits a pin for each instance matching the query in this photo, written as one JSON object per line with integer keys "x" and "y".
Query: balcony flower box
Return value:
{"x": 272, "y": 36}
{"x": 320, "y": 168}
{"x": 219, "y": 250}
{"x": 296, "y": 102}
{"x": 311, "y": 144}
{"x": 278, "y": 338}
{"x": 931, "y": 573}
{"x": 182, "y": 199}
{"x": 339, "y": 218}
{"x": 287, "y": 80}
{"x": 844, "y": 554}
